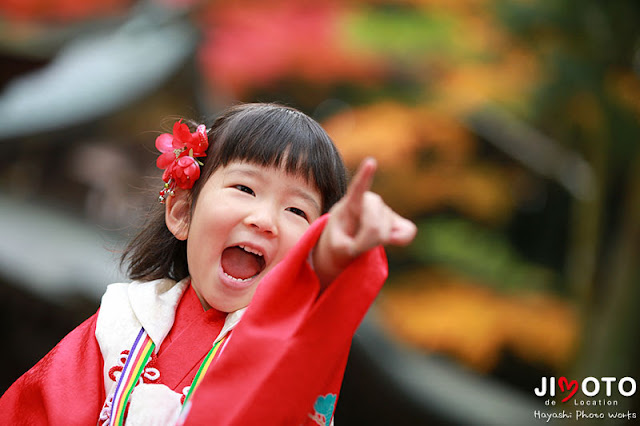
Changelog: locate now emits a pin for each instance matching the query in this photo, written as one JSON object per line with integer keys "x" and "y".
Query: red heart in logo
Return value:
{"x": 566, "y": 385}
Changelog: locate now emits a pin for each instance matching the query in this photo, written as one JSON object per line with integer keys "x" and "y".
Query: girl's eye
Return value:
{"x": 244, "y": 188}
{"x": 297, "y": 211}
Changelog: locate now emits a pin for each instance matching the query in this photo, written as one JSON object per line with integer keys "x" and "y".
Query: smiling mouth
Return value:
{"x": 242, "y": 263}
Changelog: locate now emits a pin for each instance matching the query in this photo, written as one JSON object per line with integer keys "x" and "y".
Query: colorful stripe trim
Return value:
{"x": 220, "y": 344}
{"x": 136, "y": 361}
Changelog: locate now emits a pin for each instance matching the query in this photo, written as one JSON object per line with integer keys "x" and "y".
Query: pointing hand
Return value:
{"x": 358, "y": 222}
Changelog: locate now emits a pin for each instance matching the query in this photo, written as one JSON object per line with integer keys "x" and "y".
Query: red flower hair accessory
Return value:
{"x": 178, "y": 159}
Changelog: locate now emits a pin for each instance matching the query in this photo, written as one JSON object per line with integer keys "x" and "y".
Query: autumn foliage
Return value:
{"x": 441, "y": 312}
{"x": 252, "y": 46}
{"x": 403, "y": 81}
{"x": 61, "y": 10}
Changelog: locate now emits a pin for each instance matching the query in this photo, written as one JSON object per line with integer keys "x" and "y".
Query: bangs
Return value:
{"x": 276, "y": 136}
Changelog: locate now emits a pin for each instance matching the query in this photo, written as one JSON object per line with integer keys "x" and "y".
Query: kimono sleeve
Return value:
{"x": 284, "y": 362}
{"x": 63, "y": 388}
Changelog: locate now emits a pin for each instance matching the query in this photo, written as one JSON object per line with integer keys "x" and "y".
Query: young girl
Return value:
{"x": 244, "y": 288}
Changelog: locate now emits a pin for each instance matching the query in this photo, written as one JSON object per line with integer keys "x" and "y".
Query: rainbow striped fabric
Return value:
{"x": 136, "y": 361}
{"x": 204, "y": 366}
{"x": 134, "y": 366}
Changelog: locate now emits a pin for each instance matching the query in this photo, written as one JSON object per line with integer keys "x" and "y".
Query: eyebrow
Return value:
{"x": 305, "y": 195}
{"x": 299, "y": 192}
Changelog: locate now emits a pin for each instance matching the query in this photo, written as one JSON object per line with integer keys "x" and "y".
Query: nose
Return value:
{"x": 263, "y": 219}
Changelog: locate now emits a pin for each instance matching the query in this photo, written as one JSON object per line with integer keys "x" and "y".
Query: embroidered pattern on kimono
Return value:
{"x": 125, "y": 309}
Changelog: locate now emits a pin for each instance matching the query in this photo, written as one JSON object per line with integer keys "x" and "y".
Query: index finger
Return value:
{"x": 362, "y": 180}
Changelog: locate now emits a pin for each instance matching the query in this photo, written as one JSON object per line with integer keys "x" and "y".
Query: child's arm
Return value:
{"x": 358, "y": 222}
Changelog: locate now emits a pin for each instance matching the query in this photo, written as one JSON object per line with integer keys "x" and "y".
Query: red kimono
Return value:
{"x": 282, "y": 364}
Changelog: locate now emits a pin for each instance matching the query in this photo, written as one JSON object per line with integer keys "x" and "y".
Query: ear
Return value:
{"x": 177, "y": 214}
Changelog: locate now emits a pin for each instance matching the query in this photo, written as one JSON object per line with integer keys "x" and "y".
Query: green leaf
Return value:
{"x": 481, "y": 253}
{"x": 405, "y": 33}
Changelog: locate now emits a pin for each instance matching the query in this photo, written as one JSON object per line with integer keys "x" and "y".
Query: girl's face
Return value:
{"x": 246, "y": 219}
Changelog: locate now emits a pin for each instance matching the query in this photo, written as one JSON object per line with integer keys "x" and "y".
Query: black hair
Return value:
{"x": 263, "y": 134}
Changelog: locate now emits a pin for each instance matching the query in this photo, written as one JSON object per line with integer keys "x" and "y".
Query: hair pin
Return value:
{"x": 180, "y": 151}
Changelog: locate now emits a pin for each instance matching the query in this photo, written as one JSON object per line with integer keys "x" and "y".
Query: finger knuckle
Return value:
{"x": 372, "y": 197}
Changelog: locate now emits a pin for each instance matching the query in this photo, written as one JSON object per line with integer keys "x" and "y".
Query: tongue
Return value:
{"x": 240, "y": 264}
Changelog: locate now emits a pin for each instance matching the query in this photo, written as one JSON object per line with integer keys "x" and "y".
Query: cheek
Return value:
{"x": 292, "y": 236}
{"x": 210, "y": 219}
{"x": 196, "y": 257}
{"x": 204, "y": 233}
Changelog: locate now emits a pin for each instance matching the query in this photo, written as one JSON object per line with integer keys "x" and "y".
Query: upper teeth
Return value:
{"x": 250, "y": 250}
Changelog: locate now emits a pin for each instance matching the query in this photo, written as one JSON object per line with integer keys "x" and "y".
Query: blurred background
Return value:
{"x": 507, "y": 130}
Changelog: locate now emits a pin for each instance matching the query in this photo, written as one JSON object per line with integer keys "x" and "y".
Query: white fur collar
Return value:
{"x": 154, "y": 304}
